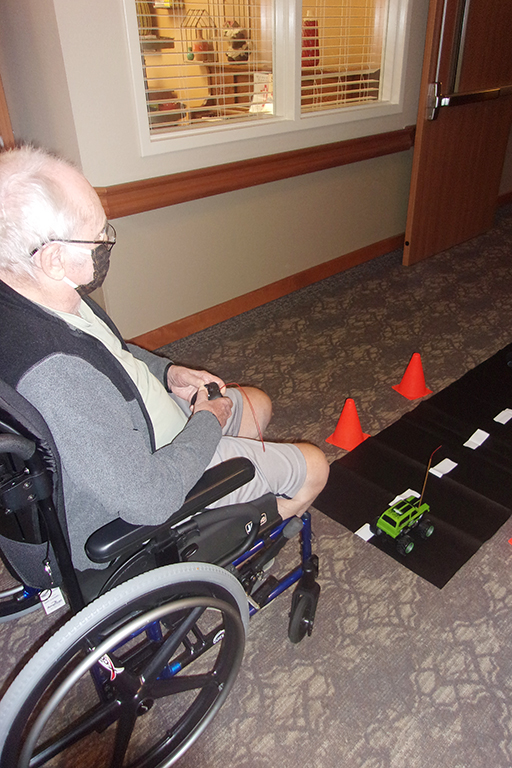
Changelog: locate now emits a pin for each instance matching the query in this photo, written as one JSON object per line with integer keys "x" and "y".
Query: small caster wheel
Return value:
{"x": 302, "y": 614}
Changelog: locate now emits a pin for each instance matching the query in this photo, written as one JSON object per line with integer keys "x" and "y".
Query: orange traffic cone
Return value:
{"x": 413, "y": 384}
{"x": 348, "y": 433}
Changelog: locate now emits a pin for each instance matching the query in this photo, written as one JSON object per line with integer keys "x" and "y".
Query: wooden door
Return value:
{"x": 6, "y": 134}
{"x": 464, "y": 121}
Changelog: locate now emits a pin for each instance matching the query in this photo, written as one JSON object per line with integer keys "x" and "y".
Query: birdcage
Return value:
{"x": 199, "y": 37}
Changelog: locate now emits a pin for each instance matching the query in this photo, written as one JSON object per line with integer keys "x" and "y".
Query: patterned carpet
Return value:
{"x": 397, "y": 673}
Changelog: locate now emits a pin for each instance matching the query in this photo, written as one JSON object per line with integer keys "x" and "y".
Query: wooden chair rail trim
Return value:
{"x": 213, "y": 315}
{"x": 149, "y": 194}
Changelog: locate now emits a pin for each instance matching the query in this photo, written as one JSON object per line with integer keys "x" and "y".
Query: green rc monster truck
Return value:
{"x": 402, "y": 516}
{"x": 399, "y": 519}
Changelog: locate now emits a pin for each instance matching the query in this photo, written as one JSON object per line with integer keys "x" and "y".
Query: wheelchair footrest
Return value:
{"x": 261, "y": 595}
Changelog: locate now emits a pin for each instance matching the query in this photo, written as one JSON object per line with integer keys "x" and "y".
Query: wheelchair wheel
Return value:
{"x": 17, "y": 602}
{"x": 115, "y": 686}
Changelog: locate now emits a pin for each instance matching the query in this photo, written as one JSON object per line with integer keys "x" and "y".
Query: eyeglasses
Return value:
{"x": 108, "y": 242}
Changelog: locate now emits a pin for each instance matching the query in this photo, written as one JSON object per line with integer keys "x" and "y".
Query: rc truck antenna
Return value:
{"x": 426, "y": 475}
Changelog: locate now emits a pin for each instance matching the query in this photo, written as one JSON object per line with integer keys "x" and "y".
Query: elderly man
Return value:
{"x": 131, "y": 445}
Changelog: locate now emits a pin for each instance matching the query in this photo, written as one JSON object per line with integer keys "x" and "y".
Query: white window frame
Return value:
{"x": 287, "y": 86}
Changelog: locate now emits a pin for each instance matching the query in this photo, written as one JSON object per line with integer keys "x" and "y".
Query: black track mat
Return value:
{"x": 468, "y": 504}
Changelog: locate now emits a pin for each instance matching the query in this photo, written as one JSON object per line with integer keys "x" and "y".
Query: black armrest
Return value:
{"x": 119, "y": 538}
{"x": 18, "y": 445}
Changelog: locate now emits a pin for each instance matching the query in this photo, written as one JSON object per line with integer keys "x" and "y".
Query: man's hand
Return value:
{"x": 184, "y": 382}
{"x": 220, "y": 407}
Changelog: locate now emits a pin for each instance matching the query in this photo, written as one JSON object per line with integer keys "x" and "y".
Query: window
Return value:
{"x": 341, "y": 55}
{"x": 204, "y": 62}
{"x": 213, "y": 65}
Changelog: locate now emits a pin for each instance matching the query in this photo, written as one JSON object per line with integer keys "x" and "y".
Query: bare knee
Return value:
{"x": 256, "y": 414}
{"x": 317, "y": 468}
{"x": 317, "y": 472}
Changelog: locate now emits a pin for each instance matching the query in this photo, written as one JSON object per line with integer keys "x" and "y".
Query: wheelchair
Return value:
{"x": 156, "y": 635}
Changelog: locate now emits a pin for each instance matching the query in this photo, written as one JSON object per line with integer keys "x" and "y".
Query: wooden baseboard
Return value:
{"x": 213, "y": 315}
{"x": 505, "y": 199}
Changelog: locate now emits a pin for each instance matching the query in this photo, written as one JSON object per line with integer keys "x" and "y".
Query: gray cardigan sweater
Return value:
{"x": 99, "y": 423}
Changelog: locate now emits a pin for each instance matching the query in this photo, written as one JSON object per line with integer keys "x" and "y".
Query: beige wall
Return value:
{"x": 177, "y": 261}
{"x": 180, "y": 260}
{"x": 65, "y": 69}
{"x": 34, "y": 76}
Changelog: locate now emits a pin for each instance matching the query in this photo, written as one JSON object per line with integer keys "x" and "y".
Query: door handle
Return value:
{"x": 435, "y": 100}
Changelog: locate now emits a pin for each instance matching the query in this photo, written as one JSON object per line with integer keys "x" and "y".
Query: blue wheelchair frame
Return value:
{"x": 253, "y": 587}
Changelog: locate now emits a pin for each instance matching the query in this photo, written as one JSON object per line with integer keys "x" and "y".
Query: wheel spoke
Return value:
{"x": 99, "y": 719}
{"x": 161, "y": 688}
{"x": 124, "y": 730}
{"x": 170, "y": 646}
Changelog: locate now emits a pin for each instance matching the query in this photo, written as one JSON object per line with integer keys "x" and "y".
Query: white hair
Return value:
{"x": 34, "y": 207}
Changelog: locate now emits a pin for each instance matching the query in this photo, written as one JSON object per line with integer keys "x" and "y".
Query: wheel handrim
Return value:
{"x": 213, "y": 687}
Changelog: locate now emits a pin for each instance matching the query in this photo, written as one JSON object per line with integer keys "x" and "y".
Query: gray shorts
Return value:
{"x": 232, "y": 426}
{"x": 280, "y": 468}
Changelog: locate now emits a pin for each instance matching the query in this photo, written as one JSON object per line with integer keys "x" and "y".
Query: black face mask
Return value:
{"x": 101, "y": 262}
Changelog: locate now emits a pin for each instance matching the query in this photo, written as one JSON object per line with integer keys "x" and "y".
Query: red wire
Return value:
{"x": 244, "y": 393}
